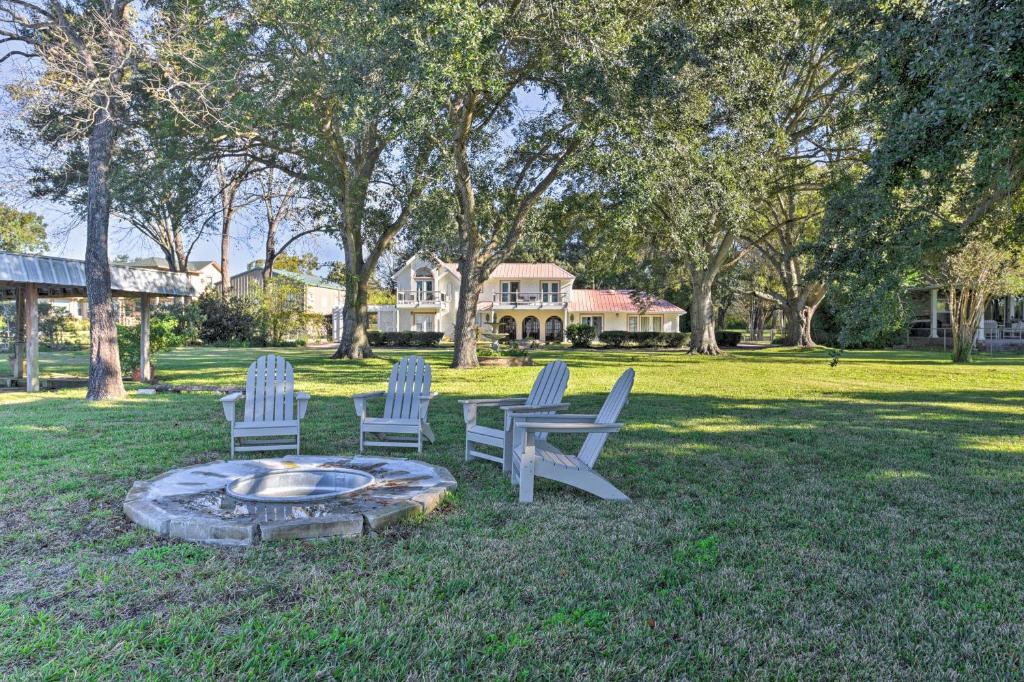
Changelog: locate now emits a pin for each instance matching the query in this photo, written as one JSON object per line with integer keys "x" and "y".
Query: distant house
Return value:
{"x": 206, "y": 273}
{"x": 524, "y": 300}
{"x": 319, "y": 295}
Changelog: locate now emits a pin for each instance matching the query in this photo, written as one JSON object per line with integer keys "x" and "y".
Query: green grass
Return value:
{"x": 789, "y": 520}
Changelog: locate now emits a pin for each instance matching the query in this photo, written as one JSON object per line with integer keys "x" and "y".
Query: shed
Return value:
{"x": 26, "y": 278}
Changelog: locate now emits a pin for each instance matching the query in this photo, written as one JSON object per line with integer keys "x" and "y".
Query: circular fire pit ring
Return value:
{"x": 298, "y": 486}
{"x": 245, "y": 502}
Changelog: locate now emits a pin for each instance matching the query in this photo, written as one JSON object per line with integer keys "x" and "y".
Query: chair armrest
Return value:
{"x": 568, "y": 427}
{"x": 527, "y": 409}
{"x": 564, "y": 417}
{"x": 493, "y": 402}
{"x": 228, "y": 403}
{"x": 371, "y": 394}
{"x": 301, "y": 403}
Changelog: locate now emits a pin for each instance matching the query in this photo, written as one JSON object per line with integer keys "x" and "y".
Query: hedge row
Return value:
{"x": 728, "y": 339}
{"x": 404, "y": 338}
{"x": 616, "y": 339}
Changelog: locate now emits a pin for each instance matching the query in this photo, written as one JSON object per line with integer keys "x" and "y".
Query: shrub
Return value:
{"x": 580, "y": 335}
{"x": 728, "y": 339}
{"x": 230, "y": 321}
{"x": 165, "y": 331}
{"x": 620, "y": 339}
{"x": 396, "y": 339}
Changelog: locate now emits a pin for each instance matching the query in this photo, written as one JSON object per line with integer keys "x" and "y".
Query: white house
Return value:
{"x": 523, "y": 300}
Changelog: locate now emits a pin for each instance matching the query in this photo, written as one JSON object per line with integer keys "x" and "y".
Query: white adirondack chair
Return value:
{"x": 273, "y": 409}
{"x": 405, "y": 407}
{"x": 545, "y": 398}
{"x": 534, "y": 456}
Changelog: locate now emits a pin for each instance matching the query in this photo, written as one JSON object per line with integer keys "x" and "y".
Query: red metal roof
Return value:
{"x": 531, "y": 271}
{"x": 619, "y": 301}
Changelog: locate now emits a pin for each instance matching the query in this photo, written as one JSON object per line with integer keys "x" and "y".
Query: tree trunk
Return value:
{"x": 966, "y": 308}
{"x": 465, "y": 319}
{"x": 225, "y": 254}
{"x": 355, "y": 342}
{"x": 702, "y": 316}
{"x": 104, "y": 362}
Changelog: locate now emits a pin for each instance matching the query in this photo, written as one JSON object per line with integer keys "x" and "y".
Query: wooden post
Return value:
{"x": 32, "y": 338}
{"x": 144, "y": 369}
{"x": 933, "y": 306}
{"x": 18, "y": 370}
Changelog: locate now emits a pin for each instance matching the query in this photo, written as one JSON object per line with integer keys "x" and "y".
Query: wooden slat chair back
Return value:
{"x": 550, "y": 384}
{"x": 405, "y": 408}
{"x": 534, "y": 456}
{"x": 272, "y": 410}
{"x": 270, "y": 390}
{"x": 409, "y": 382}
{"x": 608, "y": 414}
{"x": 544, "y": 398}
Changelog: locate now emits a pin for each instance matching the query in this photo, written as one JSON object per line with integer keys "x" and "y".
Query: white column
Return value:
{"x": 32, "y": 339}
{"x": 144, "y": 369}
{"x": 981, "y": 326}
{"x": 934, "y": 306}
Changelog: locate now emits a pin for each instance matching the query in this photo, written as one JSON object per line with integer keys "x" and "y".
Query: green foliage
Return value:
{"x": 231, "y": 320}
{"x": 168, "y": 328}
{"x": 579, "y": 335}
{"x": 620, "y": 339}
{"x": 729, "y": 339}
{"x": 943, "y": 87}
{"x": 404, "y": 339}
{"x": 21, "y": 231}
{"x": 305, "y": 263}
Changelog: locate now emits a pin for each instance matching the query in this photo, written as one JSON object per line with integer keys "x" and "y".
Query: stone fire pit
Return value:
{"x": 191, "y": 503}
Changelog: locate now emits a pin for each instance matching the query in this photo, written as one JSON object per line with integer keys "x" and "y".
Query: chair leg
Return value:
{"x": 428, "y": 432}
{"x": 419, "y": 441}
{"x": 526, "y": 481}
{"x": 361, "y": 436}
{"x": 467, "y": 457}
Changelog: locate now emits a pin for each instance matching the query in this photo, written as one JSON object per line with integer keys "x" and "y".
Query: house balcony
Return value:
{"x": 417, "y": 298}
{"x": 530, "y": 299}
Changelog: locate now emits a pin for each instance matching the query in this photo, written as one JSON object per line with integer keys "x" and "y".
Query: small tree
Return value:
{"x": 21, "y": 231}
{"x": 974, "y": 275}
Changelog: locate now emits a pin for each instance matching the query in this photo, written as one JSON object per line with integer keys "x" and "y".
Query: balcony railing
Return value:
{"x": 421, "y": 297}
{"x": 530, "y": 298}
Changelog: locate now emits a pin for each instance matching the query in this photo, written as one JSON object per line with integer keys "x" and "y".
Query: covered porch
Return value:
{"x": 1001, "y": 326}
{"x": 532, "y": 324}
{"x": 26, "y": 279}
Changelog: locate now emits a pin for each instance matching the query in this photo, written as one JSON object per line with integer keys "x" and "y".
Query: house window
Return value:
{"x": 553, "y": 329}
{"x": 507, "y": 325}
{"x": 549, "y": 292}
{"x": 595, "y": 321}
{"x": 373, "y": 321}
{"x": 644, "y": 323}
{"x": 510, "y": 292}
{"x": 424, "y": 281}
{"x": 531, "y": 328}
{"x": 423, "y": 322}
{"x": 632, "y": 323}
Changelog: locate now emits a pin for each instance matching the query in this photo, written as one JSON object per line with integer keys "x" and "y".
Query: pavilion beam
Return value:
{"x": 32, "y": 338}
{"x": 145, "y": 372}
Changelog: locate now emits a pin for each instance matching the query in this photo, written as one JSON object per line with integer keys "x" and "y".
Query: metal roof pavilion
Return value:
{"x": 59, "y": 277}
{"x": 26, "y": 278}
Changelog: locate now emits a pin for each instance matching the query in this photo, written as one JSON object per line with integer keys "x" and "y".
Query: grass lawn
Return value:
{"x": 789, "y": 520}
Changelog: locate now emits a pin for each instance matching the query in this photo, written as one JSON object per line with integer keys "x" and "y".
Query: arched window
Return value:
{"x": 424, "y": 280}
{"x": 531, "y": 328}
{"x": 507, "y": 325}
{"x": 553, "y": 329}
